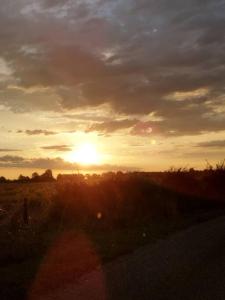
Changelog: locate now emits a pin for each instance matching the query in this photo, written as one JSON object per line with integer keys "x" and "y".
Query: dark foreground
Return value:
{"x": 189, "y": 265}
{"x": 52, "y": 233}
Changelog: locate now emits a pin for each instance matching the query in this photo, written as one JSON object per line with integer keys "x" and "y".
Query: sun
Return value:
{"x": 85, "y": 154}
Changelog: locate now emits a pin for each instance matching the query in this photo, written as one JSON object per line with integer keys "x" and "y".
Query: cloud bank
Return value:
{"x": 165, "y": 58}
{"x": 56, "y": 164}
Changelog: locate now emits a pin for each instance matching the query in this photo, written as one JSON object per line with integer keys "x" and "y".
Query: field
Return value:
{"x": 53, "y": 232}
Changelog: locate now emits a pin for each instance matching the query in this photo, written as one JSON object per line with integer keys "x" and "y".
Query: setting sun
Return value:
{"x": 85, "y": 154}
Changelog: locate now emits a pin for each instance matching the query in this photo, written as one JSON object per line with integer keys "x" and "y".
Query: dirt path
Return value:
{"x": 189, "y": 265}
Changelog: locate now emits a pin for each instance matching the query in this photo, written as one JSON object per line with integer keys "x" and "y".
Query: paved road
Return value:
{"x": 189, "y": 265}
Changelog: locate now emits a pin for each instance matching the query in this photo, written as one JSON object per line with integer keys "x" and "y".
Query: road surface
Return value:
{"x": 188, "y": 265}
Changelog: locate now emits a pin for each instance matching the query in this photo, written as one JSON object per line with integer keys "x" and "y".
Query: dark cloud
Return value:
{"x": 56, "y": 164}
{"x": 40, "y": 163}
{"x": 50, "y": 163}
{"x": 11, "y": 159}
{"x": 171, "y": 125}
{"x": 60, "y": 148}
{"x": 133, "y": 55}
{"x": 212, "y": 144}
{"x": 189, "y": 122}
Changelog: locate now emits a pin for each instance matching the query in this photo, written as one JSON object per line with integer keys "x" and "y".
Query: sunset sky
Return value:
{"x": 118, "y": 84}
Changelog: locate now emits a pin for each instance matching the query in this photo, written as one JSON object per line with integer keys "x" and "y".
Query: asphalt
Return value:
{"x": 188, "y": 265}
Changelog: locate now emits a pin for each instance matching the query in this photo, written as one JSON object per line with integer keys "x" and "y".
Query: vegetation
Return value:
{"x": 115, "y": 212}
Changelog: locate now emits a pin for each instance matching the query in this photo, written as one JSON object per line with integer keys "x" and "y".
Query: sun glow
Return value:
{"x": 85, "y": 154}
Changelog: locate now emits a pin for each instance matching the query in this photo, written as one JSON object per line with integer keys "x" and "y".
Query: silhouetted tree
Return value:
{"x": 47, "y": 176}
{"x": 35, "y": 176}
{"x": 2, "y": 179}
{"x": 23, "y": 178}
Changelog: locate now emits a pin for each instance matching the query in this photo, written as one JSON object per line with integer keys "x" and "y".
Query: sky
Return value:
{"x": 120, "y": 84}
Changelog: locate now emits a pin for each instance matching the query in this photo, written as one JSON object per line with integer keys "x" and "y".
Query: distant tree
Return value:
{"x": 23, "y": 178}
{"x": 35, "y": 176}
{"x": 47, "y": 176}
{"x": 2, "y": 179}
{"x": 71, "y": 177}
{"x": 59, "y": 177}
{"x": 191, "y": 170}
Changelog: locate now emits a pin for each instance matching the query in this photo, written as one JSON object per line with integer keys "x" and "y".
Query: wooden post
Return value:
{"x": 25, "y": 212}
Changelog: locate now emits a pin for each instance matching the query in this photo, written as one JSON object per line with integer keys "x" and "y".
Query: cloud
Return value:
{"x": 50, "y": 3}
{"x": 40, "y": 131}
{"x": 60, "y": 148}
{"x": 10, "y": 159}
{"x": 189, "y": 122}
{"x": 56, "y": 164}
{"x": 172, "y": 125}
{"x": 203, "y": 157}
{"x": 212, "y": 144}
{"x": 40, "y": 163}
{"x": 111, "y": 126}
{"x": 142, "y": 128}
{"x": 9, "y": 150}
{"x": 49, "y": 163}
{"x": 133, "y": 55}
